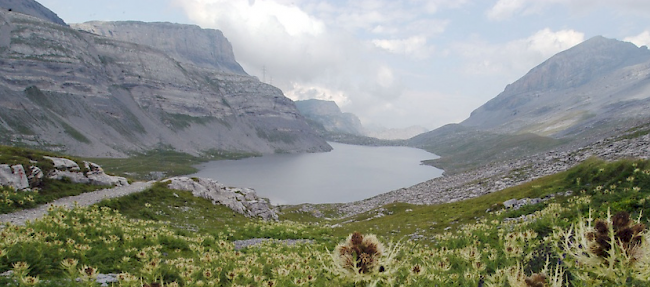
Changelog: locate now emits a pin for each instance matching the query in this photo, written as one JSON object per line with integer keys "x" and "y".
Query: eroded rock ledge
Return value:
{"x": 241, "y": 200}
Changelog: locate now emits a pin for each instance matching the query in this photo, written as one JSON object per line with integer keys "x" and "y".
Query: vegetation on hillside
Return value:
{"x": 595, "y": 237}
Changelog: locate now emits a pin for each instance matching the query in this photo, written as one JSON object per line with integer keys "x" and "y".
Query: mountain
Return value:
{"x": 33, "y": 8}
{"x": 574, "y": 98}
{"x": 205, "y": 48}
{"x": 90, "y": 95}
{"x": 598, "y": 81}
{"x": 394, "y": 134}
{"x": 328, "y": 115}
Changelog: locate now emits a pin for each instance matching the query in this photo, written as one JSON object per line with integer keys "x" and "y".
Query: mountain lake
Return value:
{"x": 347, "y": 173}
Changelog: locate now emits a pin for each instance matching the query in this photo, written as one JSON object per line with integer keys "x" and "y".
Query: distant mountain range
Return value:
{"x": 133, "y": 90}
{"x": 327, "y": 117}
{"x": 575, "y": 97}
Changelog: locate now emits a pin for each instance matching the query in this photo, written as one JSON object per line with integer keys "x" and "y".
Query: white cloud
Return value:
{"x": 415, "y": 46}
{"x": 516, "y": 57}
{"x": 506, "y": 9}
{"x": 642, "y": 39}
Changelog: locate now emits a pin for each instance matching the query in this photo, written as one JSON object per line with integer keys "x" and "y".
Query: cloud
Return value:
{"x": 516, "y": 57}
{"x": 506, "y": 9}
{"x": 415, "y": 46}
{"x": 642, "y": 39}
{"x": 315, "y": 49}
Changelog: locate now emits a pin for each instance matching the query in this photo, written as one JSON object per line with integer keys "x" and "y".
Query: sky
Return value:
{"x": 392, "y": 63}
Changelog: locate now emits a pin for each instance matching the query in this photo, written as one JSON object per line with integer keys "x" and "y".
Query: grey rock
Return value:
{"x": 65, "y": 168}
{"x": 241, "y": 200}
{"x": 63, "y": 163}
{"x": 13, "y": 176}
{"x": 510, "y": 203}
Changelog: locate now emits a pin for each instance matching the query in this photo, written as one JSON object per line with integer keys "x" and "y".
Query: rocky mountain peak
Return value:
{"x": 32, "y": 8}
{"x": 576, "y": 90}
{"x": 579, "y": 65}
{"x": 205, "y": 48}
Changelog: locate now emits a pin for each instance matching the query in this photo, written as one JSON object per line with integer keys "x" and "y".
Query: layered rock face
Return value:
{"x": 205, "y": 48}
{"x": 589, "y": 85}
{"x": 241, "y": 200}
{"x": 89, "y": 95}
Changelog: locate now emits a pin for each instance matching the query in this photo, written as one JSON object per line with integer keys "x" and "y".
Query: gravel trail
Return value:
{"x": 85, "y": 199}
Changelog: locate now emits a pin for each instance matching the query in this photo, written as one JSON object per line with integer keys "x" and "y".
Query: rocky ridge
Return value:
{"x": 573, "y": 92}
{"x": 26, "y": 178}
{"x": 241, "y": 200}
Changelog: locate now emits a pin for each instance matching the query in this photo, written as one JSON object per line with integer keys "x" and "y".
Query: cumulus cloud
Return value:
{"x": 642, "y": 39}
{"x": 314, "y": 49}
{"x": 516, "y": 57}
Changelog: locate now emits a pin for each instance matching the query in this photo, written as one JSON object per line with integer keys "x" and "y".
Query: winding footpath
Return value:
{"x": 84, "y": 199}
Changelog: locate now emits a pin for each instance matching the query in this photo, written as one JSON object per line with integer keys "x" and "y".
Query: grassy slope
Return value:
{"x": 463, "y": 148}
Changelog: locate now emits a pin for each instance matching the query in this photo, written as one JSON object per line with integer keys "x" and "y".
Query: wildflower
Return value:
{"x": 29, "y": 280}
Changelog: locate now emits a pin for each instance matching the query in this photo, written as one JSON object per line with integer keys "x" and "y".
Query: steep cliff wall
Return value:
{"x": 206, "y": 48}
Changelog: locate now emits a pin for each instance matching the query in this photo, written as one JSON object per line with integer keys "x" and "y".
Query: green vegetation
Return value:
{"x": 463, "y": 148}
{"x": 162, "y": 161}
{"x": 181, "y": 121}
{"x": 180, "y": 240}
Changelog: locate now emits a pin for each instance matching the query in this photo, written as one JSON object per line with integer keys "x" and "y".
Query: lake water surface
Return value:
{"x": 347, "y": 173}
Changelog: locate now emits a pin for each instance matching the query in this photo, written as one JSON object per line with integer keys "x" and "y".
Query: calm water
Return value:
{"x": 347, "y": 173}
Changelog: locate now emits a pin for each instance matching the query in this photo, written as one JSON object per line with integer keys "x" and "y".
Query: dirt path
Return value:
{"x": 85, "y": 199}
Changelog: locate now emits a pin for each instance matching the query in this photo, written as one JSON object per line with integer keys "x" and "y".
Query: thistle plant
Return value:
{"x": 612, "y": 251}
{"x": 364, "y": 259}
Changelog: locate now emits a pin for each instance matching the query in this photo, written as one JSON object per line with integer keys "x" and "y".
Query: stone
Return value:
{"x": 510, "y": 203}
{"x": 13, "y": 176}
{"x": 63, "y": 163}
{"x": 35, "y": 176}
{"x": 241, "y": 200}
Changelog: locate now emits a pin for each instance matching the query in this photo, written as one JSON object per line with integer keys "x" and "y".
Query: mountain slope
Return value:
{"x": 596, "y": 81}
{"x": 33, "y": 8}
{"x": 93, "y": 96}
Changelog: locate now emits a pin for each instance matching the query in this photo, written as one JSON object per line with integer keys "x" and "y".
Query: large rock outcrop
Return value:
{"x": 88, "y": 95}
{"x": 241, "y": 200}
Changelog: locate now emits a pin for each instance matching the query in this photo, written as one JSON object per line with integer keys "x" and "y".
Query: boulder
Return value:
{"x": 241, "y": 200}
{"x": 65, "y": 168}
{"x": 35, "y": 176}
{"x": 13, "y": 176}
{"x": 63, "y": 163}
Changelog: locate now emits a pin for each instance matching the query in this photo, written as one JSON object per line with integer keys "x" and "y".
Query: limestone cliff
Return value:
{"x": 206, "y": 48}
{"x": 89, "y": 95}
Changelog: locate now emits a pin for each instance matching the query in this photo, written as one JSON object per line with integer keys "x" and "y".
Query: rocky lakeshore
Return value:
{"x": 498, "y": 176}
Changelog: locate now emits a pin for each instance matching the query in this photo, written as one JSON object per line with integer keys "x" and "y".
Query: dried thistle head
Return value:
{"x": 536, "y": 280}
{"x": 629, "y": 235}
{"x": 359, "y": 254}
